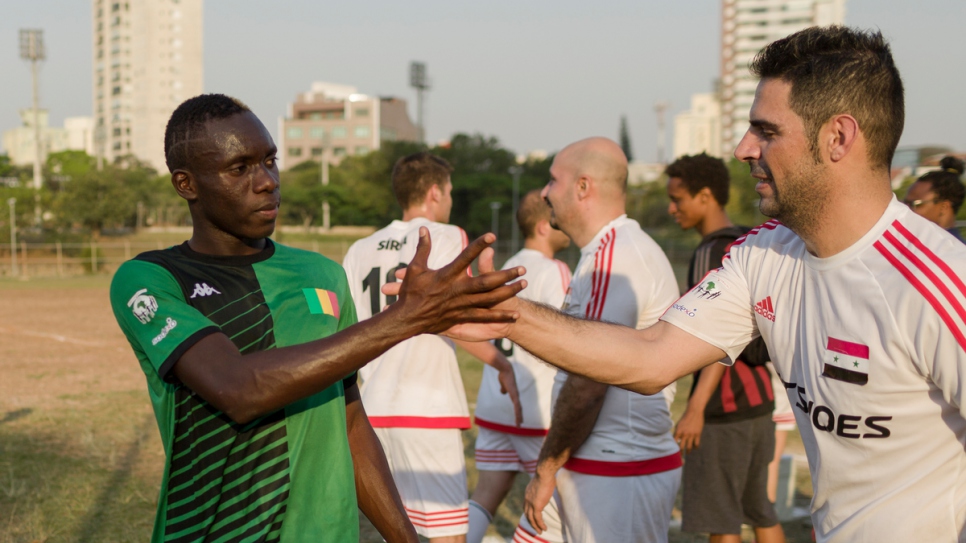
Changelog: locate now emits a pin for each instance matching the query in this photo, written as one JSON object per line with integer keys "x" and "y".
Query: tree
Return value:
{"x": 625, "y": 139}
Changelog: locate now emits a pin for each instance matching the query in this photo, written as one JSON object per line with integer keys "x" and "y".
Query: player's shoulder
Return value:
{"x": 767, "y": 235}
{"x": 632, "y": 243}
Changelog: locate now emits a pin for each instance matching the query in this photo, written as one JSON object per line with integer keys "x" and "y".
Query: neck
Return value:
{"x": 847, "y": 217}
{"x": 713, "y": 221}
{"x": 541, "y": 245}
{"x": 223, "y": 244}
{"x": 417, "y": 213}
{"x": 592, "y": 226}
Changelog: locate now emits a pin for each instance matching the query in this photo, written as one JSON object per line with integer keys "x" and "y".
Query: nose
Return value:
{"x": 671, "y": 208}
{"x": 747, "y": 148}
{"x": 544, "y": 191}
{"x": 266, "y": 179}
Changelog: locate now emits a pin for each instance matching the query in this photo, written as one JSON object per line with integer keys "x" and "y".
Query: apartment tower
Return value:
{"x": 147, "y": 60}
{"x": 746, "y": 27}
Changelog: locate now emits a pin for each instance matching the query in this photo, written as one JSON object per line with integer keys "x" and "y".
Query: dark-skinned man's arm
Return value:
{"x": 574, "y": 416}
{"x": 375, "y": 489}
{"x": 246, "y": 387}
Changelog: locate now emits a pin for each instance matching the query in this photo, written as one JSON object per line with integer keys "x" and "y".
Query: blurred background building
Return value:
{"x": 77, "y": 134}
{"x": 336, "y": 120}
{"x": 746, "y": 27}
{"x": 147, "y": 60}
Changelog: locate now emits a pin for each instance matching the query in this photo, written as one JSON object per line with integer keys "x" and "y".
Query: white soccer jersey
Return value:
{"x": 870, "y": 344}
{"x": 547, "y": 282}
{"x": 623, "y": 277}
{"x": 417, "y": 383}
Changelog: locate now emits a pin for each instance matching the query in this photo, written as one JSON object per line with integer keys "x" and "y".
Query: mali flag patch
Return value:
{"x": 321, "y": 301}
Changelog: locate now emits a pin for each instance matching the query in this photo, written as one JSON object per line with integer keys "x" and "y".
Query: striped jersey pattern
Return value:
{"x": 228, "y": 482}
{"x": 600, "y": 280}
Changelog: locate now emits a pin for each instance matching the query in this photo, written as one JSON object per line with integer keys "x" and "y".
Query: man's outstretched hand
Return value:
{"x": 443, "y": 301}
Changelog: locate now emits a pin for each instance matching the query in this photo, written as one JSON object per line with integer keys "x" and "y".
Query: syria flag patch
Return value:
{"x": 846, "y": 361}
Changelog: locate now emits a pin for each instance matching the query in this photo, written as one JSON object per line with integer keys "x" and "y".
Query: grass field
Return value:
{"x": 80, "y": 454}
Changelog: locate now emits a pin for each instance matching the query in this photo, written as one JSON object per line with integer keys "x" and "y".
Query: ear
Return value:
{"x": 434, "y": 194}
{"x": 705, "y": 195}
{"x": 543, "y": 228}
{"x": 841, "y": 133}
{"x": 185, "y": 184}
{"x": 583, "y": 186}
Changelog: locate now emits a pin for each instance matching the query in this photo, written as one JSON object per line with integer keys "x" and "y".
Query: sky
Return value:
{"x": 536, "y": 74}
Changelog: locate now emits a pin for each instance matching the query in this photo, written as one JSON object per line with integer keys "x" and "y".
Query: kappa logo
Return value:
{"x": 143, "y": 305}
{"x": 202, "y": 289}
{"x": 766, "y": 309}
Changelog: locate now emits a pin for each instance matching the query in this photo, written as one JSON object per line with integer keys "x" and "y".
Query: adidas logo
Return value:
{"x": 202, "y": 289}
{"x": 765, "y": 309}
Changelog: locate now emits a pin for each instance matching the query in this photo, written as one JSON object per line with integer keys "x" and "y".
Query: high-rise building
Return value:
{"x": 698, "y": 130}
{"x": 147, "y": 60}
{"x": 746, "y": 27}
{"x": 76, "y": 135}
{"x": 337, "y": 121}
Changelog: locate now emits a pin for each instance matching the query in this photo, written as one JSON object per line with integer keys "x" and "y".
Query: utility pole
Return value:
{"x": 324, "y": 166}
{"x": 32, "y": 49}
{"x": 12, "y": 202}
{"x": 515, "y": 171}
{"x": 495, "y": 218}
{"x": 419, "y": 81}
{"x": 659, "y": 109}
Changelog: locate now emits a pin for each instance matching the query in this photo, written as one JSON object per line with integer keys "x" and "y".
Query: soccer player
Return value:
{"x": 502, "y": 448}
{"x": 413, "y": 393}
{"x": 939, "y": 194}
{"x": 609, "y": 452}
{"x": 726, "y": 431}
{"x": 250, "y": 351}
{"x": 860, "y": 301}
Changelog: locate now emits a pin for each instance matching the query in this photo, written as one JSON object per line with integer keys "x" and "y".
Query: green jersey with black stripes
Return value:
{"x": 285, "y": 477}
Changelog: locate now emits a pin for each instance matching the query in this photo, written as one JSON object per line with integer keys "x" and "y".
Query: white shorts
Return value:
{"x": 500, "y": 451}
{"x": 551, "y": 518}
{"x": 598, "y": 509}
{"x": 783, "y": 415}
{"x": 430, "y": 474}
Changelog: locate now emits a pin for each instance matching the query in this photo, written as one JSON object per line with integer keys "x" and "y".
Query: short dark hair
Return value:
{"x": 533, "y": 209}
{"x": 834, "y": 70}
{"x": 946, "y": 183}
{"x": 414, "y": 175}
{"x": 699, "y": 171}
{"x": 189, "y": 119}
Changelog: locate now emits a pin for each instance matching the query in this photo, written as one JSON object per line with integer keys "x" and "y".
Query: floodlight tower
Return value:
{"x": 32, "y": 50}
{"x": 419, "y": 81}
{"x": 659, "y": 109}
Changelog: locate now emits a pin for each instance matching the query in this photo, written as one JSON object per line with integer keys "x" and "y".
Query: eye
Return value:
{"x": 270, "y": 161}
{"x": 237, "y": 169}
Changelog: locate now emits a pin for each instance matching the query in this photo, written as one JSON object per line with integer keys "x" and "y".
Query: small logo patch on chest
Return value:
{"x": 846, "y": 361}
{"x": 202, "y": 289}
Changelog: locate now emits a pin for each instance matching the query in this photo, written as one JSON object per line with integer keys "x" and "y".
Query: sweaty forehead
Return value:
{"x": 233, "y": 138}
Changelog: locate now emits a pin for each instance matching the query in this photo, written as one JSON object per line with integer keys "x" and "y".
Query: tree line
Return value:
{"x": 80, "y": 200}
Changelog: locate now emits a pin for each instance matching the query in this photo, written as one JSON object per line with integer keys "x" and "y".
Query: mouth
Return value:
{"x": 269, "y": 211}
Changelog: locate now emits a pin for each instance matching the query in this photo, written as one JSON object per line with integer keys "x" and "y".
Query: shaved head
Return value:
{"x": 597, "y": 158}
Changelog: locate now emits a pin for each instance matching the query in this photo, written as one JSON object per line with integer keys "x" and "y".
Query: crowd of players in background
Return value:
{"x": 262, "y": 416}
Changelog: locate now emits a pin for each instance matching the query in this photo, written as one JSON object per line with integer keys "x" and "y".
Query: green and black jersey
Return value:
{"x": 285, "y": 477}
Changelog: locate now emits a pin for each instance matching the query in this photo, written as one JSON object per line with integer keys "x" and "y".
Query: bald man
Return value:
{"x": 609, "y": 452}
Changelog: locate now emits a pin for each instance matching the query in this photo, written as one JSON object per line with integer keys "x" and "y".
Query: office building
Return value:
{"x": 147, "y": 60}
{"x": 337, "y": 121}
{"x": 746, "y": 27}
{"x": 75, "y": 135}
{"x": 698, "y": 130}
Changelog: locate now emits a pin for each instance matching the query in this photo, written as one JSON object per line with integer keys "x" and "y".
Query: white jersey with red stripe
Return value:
{"x": 417, "y": 383}
{"x": 547, "y": 282}
{"x": 871, "y": 346}
{"x": 624, "y": 277}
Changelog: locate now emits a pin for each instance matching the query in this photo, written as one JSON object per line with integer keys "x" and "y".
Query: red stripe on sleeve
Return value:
{"x": 943, "y": 314}
{"x": 727, "y": 395}
{"x": 609, "y": 265}
{"x": 941, "y": 285}
{"x": 953, "y": 276}
{"x": 748, "y": 381}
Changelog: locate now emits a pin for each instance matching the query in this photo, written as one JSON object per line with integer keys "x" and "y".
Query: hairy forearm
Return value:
{"x": 643, "y": 361}
{"x": 376, "y": 492}
{"x": 574, "y": 416}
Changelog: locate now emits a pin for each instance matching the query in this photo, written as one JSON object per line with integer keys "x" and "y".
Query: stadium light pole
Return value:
{"x": 515, "y": 171}
{"x": 12, "y": 202}
{"x": 419, "y": 81}
{"x": 32, "y": 50}
{"x": 495, "y": 219}
{"x": 324, "y": 167}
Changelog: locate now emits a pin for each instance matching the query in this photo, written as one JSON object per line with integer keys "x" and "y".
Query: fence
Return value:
{"x": 71, "y": 259}
{"x": 28, "y": 260}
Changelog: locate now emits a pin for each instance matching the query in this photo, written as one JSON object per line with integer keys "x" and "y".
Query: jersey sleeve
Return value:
{"x": 552, "y": 284}
{"x": 718, "y": 310}
{"x": 150, "y": 308}
{"x": 939, "y": 346}
{"x": 448, "y": 243}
